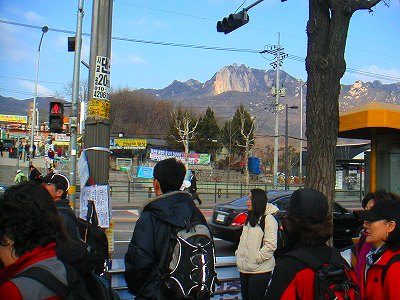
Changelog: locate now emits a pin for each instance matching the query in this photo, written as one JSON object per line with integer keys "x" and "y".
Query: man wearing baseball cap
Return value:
{"x": 58, "y": 185}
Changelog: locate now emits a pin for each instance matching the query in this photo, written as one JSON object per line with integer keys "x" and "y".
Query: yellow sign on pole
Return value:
{"x": 99, "y": 108}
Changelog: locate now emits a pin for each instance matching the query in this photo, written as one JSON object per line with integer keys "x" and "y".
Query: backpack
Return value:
{"x": 281, "y": 239}
{"x": 75, "y": 290}
{"x": 95, "y": 237}
{"x": 395, "y": 258}
{"x": 189, "y": 273}
{"x": 92, "y": 239}
{"x": 331, "y": 281}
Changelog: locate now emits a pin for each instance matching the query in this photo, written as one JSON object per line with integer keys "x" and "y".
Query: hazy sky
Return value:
{"x": 373, "y": 44}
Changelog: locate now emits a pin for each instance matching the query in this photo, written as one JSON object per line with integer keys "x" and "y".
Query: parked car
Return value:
{"x": 228, "y": 219}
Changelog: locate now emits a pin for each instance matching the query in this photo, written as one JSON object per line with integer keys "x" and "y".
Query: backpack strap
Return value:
{"x": 395, "y": 258}
{"x": 305, "y": 257}
{"x": 47, "y": 279}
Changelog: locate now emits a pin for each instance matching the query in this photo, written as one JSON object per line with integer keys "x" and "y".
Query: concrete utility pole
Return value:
{"x": 277, "y": 51}
{"x": 74, "y": 105}
{"x": 97, "y": 126}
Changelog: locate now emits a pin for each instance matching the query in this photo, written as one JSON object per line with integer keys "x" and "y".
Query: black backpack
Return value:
{"x": 335, "y": 280}
{"x": 187, "y": 264}
{"x": 281, "y": 238}
{"x": 95, "y": 237}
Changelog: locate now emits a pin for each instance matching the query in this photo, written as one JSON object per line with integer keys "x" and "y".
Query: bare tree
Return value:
{"x": 186, "y": 127}
{"x": 248, "y": 141}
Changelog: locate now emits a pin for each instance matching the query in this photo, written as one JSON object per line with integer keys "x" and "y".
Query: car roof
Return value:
{"x": 272, "y": 196}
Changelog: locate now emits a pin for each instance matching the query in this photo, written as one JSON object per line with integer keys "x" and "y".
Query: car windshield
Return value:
{"x": 272, "y": 196}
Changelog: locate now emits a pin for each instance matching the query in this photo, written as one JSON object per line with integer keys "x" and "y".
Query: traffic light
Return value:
{"x": 234, "y": 21}
{"x": 56, "y": 117}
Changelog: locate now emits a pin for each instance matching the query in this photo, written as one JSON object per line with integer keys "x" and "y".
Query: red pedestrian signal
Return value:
{"x": 56, "y": 117}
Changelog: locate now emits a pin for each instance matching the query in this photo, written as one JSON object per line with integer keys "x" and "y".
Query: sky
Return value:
{"x": 373, "y": 45}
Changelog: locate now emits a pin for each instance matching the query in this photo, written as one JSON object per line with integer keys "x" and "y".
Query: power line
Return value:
{"x": 203, "y": 47}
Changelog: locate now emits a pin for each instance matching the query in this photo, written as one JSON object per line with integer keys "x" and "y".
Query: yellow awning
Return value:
{"x": 360, "y": 122}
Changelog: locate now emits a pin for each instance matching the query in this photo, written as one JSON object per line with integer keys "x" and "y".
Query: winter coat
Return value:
{"x": 292, "y": 279}
{"x": 255, "y": 253}
{"x": 20, "y": 177}
{"x": 151, "y": 234}
{"x": 25, "y": 288}
{"x": 68, "y": 218}
{"x": 371, "y": 287}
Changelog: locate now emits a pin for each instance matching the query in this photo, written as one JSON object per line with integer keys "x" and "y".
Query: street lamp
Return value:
{"x": 286, "y": 146}
{"x": 301, "y": 131}
{"x": 44, "y": 30}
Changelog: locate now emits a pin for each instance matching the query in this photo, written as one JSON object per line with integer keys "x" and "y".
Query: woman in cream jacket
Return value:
{"x": 255, "y": 253}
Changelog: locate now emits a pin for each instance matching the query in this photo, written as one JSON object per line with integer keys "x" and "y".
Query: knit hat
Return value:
{"x": 309, "y": 205}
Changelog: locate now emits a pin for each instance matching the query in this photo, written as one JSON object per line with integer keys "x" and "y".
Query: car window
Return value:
{"x": 239, "y": 202}
{"x": 337, "y": 208}
{"x": 282, "y": 203}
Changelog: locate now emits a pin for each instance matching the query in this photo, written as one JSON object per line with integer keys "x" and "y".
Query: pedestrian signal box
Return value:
{"x": 56, "y": 117}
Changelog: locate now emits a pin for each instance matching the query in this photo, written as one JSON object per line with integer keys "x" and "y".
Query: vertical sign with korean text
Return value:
{"x": 99, "y": 104}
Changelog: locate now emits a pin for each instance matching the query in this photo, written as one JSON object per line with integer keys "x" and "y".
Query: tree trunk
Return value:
{"x": 327, "y": 32}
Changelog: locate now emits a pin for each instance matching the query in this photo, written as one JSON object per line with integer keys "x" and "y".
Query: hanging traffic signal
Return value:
{"x": 56, "y": 117}
{"x": 234, "y": 21}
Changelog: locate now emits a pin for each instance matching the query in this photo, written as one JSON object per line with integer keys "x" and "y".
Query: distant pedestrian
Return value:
{"x": 20, "y": 177}
{"x": 255, "y": 254}
{"x": 33, "y": 150}
{"x": 1, "y": 148}
{"x": 34, "y": 175}
{"x": 59, "y": 152}
{"x": 193, "y": 187}
{"x": 20, "y": 149}
{"x": 26, "y": 152}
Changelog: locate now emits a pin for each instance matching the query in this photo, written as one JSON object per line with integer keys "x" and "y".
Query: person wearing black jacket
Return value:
{"x": 34, "y": 174}
{"x": 170, "y": 209}
{"x": 58, "y": 185}
{"x": 308, "y": 227}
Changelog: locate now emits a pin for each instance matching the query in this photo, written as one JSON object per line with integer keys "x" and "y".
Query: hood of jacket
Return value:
{"x": 174, "y": 208}
{"x": 271, "y": 209}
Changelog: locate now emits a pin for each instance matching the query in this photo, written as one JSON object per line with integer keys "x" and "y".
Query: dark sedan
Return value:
{"x": 228, "y": 219}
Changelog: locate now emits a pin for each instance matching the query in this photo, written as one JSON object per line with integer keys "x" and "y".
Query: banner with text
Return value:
{"x": 194, "y": 158}
{"x": 127, "y": 144}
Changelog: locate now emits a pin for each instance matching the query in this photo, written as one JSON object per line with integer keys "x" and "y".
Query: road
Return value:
{"x": 125, "y": 221}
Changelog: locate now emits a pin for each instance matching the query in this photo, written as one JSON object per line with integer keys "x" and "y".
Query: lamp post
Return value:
{"x": 301, "y": 131}
{"x": 286, "y": 146}
{"x": 44, "y": 30}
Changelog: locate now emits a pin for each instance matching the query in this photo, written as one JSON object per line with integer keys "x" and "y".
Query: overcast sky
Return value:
{"x": 373, "y": 42}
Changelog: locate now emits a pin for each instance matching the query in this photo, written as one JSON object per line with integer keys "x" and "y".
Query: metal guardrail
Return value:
{"x": 130, "y": 190}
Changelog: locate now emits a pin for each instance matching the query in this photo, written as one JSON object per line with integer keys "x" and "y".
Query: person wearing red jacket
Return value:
{"x": 382, "y": 228}
{"x": 308, "y": 228}
{"x": 29, "y": 227}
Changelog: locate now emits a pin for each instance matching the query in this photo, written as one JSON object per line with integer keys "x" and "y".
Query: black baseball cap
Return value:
{"x": 60, "y": 180}
{"x": 309, "y": 205}
{"x": 382, "y": 210}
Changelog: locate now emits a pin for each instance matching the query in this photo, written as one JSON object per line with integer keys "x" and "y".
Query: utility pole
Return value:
{"x": 277, "y": 51}
{"x": 74, "y": 105}
{"x": 97, "y": 126}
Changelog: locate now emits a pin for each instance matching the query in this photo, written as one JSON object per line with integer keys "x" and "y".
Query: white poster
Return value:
{"x": 101, "y": 89}
{"x": 83, "y": 169}
{"x": 98, "y": 193}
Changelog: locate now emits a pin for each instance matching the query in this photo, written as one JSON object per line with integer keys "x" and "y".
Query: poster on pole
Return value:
{"x": 99, "y": 194}
{"x": 101, "y": 89}
{"x": 83, "y": 169}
